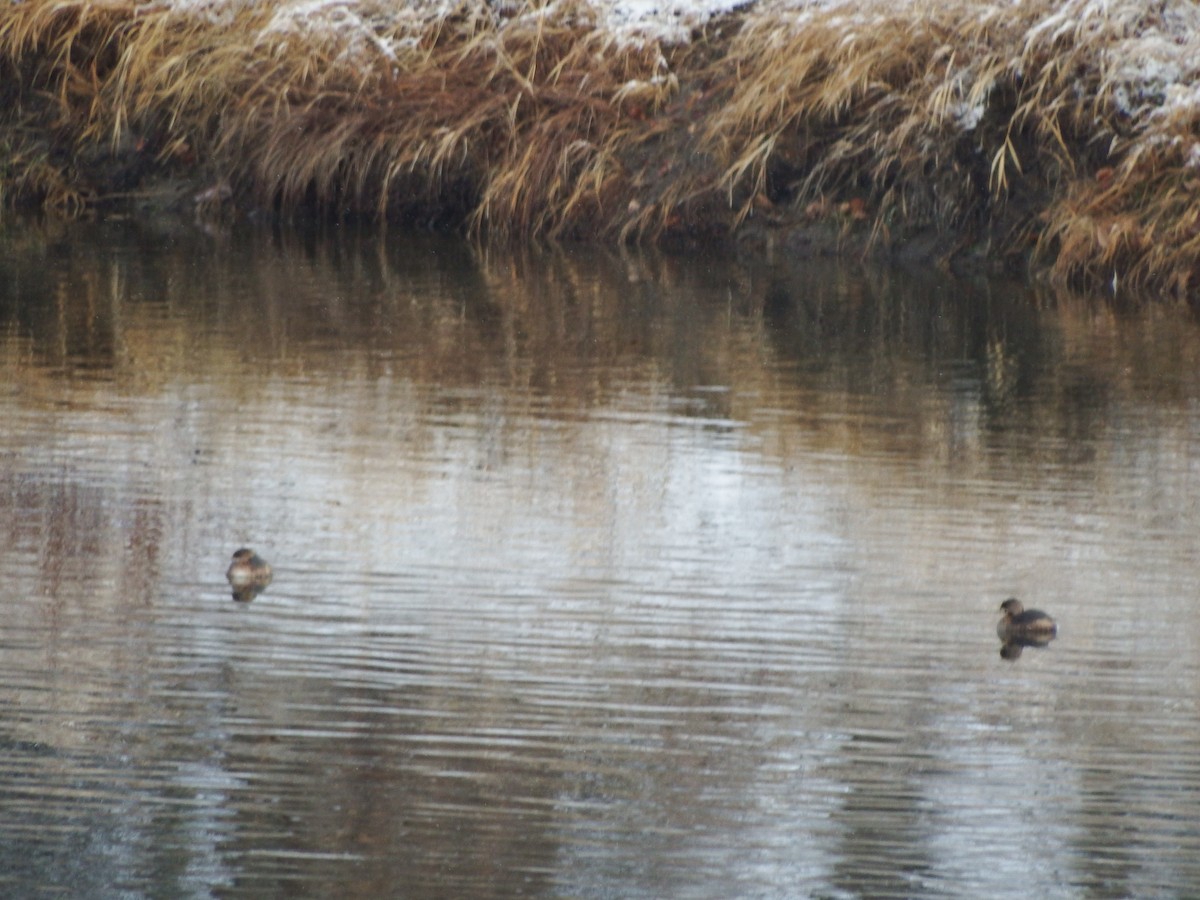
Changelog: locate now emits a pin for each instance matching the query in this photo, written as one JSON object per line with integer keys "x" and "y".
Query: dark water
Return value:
{"x": 596, "y": 575}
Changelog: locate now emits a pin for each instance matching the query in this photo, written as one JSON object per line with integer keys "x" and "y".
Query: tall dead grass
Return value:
{"x": 1069, "y": 127}
{"x": 508, "y": 121}
{"x": 1063, "y": 129}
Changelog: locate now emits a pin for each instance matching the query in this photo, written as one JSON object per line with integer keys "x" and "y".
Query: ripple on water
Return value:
{"x": 700, "y": 604}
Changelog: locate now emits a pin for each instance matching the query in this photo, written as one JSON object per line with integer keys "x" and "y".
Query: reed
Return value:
{"x": 1058, "y": 131}
{"x": 1033, "y": 124}
{"x": 510, "y": 123}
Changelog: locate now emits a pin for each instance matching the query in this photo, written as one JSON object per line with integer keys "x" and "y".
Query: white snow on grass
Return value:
{"x": 1152, "y": 55}
{"x": 668, "y": 21}
{"x": 360, "y": 22}
{"x": 319, "y": 20}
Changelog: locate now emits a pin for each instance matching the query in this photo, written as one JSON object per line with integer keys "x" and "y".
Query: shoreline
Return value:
{"x": 1064, "y": 139}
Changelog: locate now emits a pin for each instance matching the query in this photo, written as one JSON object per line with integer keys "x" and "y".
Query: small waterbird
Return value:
{"x": 248, "y": 574}
{"x": 1019, "y": 623}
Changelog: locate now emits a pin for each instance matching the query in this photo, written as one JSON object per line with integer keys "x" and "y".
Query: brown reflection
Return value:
{"x": 61, "y": 529}
{"x": 965, "y": 369}
{"x": 925, "y": 365}
{"x": 295, "y": 378}
{"x": 1012, "y": 648}
{"x": 245, "y": 595}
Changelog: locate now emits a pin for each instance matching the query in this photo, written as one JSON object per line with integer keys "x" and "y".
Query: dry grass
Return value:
{"x": 1046, "y": 124}
{"x": 1059, "y": 128}
{"x": 510, "y": 122}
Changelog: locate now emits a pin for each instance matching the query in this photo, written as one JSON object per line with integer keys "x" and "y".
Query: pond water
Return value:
{"x": 596, "y": 575}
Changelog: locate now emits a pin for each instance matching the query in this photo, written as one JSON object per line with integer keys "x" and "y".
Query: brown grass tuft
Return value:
{"x": 512, "y": 123}
{"x": 1069, "y": 128}
{"x": 957, "y": 114}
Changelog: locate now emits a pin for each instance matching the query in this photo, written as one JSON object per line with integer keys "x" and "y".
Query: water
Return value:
{"x": 596, "y": 575}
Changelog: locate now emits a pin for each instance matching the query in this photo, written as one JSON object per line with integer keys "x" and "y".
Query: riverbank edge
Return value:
{"x": 778, "y": 137}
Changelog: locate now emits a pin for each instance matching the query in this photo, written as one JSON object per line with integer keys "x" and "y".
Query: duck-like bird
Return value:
{"x": 248, "y": 574}
{"x": 1019, "y": 623}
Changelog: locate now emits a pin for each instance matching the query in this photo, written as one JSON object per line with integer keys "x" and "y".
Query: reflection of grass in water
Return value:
{"x": 1058, "y": 129}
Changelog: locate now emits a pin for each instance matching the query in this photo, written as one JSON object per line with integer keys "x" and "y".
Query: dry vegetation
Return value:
{"x": 1068, "y": 131}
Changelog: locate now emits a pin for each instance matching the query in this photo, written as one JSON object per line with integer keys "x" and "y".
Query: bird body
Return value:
{"x": 1021, "y": 623}
{"x": 248, "y": 574}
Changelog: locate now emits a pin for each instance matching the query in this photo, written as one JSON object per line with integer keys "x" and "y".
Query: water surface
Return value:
{"x": 596, "y": 575}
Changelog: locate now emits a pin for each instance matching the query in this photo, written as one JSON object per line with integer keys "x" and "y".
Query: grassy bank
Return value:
{"x": 1066, "y": 133}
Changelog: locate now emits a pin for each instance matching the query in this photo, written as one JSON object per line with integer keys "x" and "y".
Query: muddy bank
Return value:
{"x": 1064, "y": 135}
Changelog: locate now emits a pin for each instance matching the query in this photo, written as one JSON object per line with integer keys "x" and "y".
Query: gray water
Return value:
{"x": 596, "y": 575}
